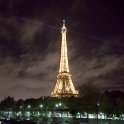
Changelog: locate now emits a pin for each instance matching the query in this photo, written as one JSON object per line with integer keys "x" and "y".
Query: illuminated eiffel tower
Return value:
{"x": 64, "y": 86}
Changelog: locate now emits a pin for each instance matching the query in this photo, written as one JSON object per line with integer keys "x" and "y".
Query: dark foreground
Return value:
{"x": 65, "y": 121}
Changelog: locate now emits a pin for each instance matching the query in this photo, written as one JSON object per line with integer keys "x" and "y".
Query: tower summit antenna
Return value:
{"x": 63, "y": 23}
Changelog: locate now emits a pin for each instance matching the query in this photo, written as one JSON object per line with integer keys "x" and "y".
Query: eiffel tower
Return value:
{"x": 64, "y": 86}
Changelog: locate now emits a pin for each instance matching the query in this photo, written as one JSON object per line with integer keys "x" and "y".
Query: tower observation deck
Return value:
{"x": 64, "y": 86}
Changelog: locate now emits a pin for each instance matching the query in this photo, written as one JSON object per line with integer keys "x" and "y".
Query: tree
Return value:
{"x": 8, "y": 105}
{"x": 119, "y": 108}
{"x": 90, "y": 96}
{"x": 105, "y": 105}
{"x": 20, "y": 108}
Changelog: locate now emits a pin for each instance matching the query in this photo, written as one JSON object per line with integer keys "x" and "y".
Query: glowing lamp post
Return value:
{"x": 60, "y": 104}
{"x": 57, "y": 105}
{"x": 41, "y": 106}
{"x": 97, "y": 112}
{"x": 29, "y": 106}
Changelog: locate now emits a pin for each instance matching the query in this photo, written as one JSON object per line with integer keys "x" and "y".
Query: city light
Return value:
{"x": 41, "y": 106}
{"x": 60, "y": 104}
{"x": 29, "y": 106}
{"x": 56, "y": 105}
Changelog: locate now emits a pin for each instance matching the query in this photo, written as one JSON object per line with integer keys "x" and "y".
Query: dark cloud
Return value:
{"x": 28, "y": 32}
{"x": 30, "y": 52}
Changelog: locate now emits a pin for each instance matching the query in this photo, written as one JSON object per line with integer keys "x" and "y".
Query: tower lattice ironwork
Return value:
{"x": 64, "y": 86}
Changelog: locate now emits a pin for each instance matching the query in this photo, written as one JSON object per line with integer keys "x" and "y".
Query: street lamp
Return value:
{"x": 97, "y": 112}
{"x": 41, "y": 106}
{"x": 41, "y": 109}
{"x": 60, "y": 104}
{"x": 57, "y": 105}
{"x": 29, "y": 106}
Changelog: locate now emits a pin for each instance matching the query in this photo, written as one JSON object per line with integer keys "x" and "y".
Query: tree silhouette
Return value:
{"x": 8, "y": 105}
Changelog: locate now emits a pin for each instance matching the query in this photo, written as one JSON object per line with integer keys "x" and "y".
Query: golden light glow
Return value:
{"x": 64, "y": 86}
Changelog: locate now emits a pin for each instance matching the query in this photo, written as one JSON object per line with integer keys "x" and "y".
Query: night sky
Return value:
{"x": 30, "y": 43}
